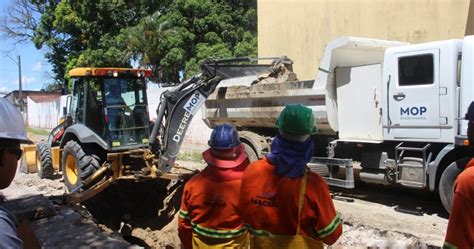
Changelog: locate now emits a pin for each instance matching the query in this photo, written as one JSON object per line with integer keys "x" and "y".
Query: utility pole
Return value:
{"x": 20, "y": 95}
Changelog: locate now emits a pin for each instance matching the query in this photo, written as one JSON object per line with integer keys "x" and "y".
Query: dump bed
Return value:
{"x": 345, "y": 97}
{"x": 256, "y": 102}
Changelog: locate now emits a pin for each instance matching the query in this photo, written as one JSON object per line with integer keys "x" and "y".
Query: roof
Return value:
{"x": 45, "y": 98}
{"x": 108, "y": 72}
{"x": 28, "y": 93}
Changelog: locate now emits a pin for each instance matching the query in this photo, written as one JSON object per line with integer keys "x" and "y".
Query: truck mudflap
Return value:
{"x": 334, "y": 163}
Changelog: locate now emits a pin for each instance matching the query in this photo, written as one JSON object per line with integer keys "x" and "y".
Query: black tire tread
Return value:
{"x": 44, "y": 151}
{"x": 87, "y": 163}
{"x": 446, "y": 185}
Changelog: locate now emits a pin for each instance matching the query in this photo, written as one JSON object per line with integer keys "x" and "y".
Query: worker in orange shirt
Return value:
{"x": 208, "y": 215}
{"x": 460, "y": 233}
{"x": 283, "y": 204}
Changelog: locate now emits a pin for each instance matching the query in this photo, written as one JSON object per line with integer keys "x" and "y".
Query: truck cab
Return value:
{"x": 421, "y": 94}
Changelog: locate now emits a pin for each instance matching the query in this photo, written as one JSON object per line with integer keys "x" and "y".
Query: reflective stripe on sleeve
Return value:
{"x": 448, "y": 245}
{"x": 329, "y": 228}
{"x": 222, "y": 234}
{"x": 183, "y": 214}
{"x": 263, "y": 233}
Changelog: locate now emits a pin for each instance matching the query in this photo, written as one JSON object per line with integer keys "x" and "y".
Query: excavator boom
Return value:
{"x": 179, "y": 105}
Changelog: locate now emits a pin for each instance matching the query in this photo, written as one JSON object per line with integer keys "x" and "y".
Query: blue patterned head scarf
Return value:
{"x": 290, "y": 157}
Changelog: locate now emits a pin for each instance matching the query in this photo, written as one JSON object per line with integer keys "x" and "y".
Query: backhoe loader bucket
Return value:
{"x": 29, "y": 159}
{"x": 236, "y": 67}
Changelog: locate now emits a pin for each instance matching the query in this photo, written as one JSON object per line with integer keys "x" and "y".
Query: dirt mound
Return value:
{"x": 360, "y": 236}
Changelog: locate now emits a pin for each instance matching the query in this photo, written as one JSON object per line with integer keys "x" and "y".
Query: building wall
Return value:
{"x": 43, "y": 115}
{"x": 300, "y": 29}
{"x": 198, "y": 132}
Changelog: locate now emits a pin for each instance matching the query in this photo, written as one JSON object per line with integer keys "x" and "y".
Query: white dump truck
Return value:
{"x": 394, "y": 107}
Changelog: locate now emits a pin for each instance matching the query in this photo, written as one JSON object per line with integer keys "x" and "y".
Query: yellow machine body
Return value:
{"x": 29, "y": 157}
{"x": 56, "y": 156}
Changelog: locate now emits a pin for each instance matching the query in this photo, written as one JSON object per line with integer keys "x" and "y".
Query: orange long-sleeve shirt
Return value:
{"x": 208, "y": 209}
{"x": 460, "y": 233}
{"x": 269, "y": 204}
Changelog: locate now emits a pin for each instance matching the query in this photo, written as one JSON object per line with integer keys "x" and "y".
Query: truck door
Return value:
{"x": 413, "y": 95}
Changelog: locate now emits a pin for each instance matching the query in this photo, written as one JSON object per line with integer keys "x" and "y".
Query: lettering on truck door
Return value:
{"x": 413, "y": 95}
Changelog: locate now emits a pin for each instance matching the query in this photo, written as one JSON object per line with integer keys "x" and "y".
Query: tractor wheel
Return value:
{"x": 251, "y": 154}
{"x": 77, "y": 165}
{"x": 446, "y": 185}
{"x": 44, "y": 163}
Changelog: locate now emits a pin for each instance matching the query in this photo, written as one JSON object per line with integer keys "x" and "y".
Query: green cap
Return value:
{"x": 296, "y": 119}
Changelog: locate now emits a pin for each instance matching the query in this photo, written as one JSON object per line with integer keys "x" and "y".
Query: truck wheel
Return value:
{"x": 44, "y": 163}
{"x": 77, "y": 165}
{"x": 446, "y": 185}
{"x": 251, "y": 154}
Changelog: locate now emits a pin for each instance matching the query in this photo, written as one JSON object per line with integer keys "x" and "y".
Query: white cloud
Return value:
{"x": 38, "y": 66}
{"x": 25, "y": 79}
{"x": 28, "y": 79}
{"x": 4, "y": 89}
{"x": 28, "y": 83}
{"x": 8, "y": 86}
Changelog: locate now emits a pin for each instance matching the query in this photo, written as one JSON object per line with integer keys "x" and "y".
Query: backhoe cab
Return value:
{"x": 112, "y": 103}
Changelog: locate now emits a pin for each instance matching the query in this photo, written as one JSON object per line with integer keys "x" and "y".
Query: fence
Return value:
{"x": 42, "y": 114}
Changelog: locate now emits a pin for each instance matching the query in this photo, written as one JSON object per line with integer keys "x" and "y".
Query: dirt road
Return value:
{"x": 371, "y": 218}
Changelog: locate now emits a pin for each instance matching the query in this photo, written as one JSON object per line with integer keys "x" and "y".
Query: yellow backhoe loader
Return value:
{"x": 106, "y": 134}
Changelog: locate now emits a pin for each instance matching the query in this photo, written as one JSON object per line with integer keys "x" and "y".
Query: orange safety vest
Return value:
{"x": 208, "y": 217}
{"x": 460, "y": 233}
{"x": 283, "y": 211}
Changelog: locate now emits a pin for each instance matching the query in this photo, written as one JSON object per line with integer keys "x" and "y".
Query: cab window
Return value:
{"x": 77, "y": 103}
{"x": 416, "y": 70}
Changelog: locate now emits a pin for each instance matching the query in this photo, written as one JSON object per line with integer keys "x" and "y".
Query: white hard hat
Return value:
{"x": 11, "y": 123}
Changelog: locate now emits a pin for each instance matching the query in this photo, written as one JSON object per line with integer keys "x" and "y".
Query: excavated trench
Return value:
{"x": 126, "y": 207}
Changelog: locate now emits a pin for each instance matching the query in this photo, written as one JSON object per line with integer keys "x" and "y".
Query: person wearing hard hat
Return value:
{"x": 208, "y": 215}
{"x": 283, "y": 204}
{"x": 12, "y": 134}
{"x": 460, "y": 232}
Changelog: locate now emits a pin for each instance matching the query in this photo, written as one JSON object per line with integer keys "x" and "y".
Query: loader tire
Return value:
{"x": 446, "y": 185}
{"x": 77, "y": 165}
{"x": 44, "y": 162}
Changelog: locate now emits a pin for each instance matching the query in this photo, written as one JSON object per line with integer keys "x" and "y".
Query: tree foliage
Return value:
{"x": 167, "y": 36}
{"x": 189, "y": 31}
{"x": 89, "y": 33}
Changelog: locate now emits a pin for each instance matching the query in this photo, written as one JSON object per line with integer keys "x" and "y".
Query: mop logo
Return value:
{"x": 413, "y": 112}
{"x": 193, "y": 104}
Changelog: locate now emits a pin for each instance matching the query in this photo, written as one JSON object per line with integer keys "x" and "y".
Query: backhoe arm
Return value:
{"x": 175, "y": 112}
{"x": 179, "y": 105}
